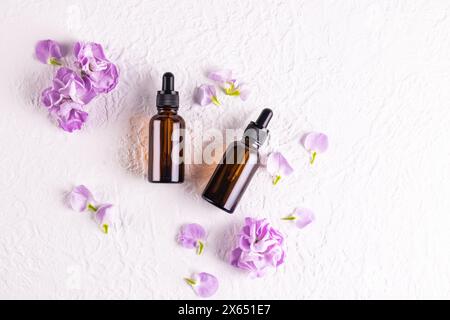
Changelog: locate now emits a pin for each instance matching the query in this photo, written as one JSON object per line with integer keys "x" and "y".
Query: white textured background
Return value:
{"x": 373, "y": 75}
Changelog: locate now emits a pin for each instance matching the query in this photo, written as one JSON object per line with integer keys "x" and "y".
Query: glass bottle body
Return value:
{"x": 166, "y": 147}
{"x": 232, "y": 175}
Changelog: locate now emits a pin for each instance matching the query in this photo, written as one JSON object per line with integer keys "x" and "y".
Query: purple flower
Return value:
{"x": 192, "y": 236}
{"x": 81, "y": 199}
{"x": 259, "y": 247}
{"x": 94, "y": 65}
{"x": 69, "y": 115}
{"x": 65, "y": 99}
{"x": 301, "y": 216}
{"x": 230, "y": 86}
{"x": 205, "y": 94}
{"x": 203, "y": 284}
{"x": 68, "y": 85}
{"x": 48, "y": 52}
{"x": 278, "y": 166}
{"x": 315, "y": 142}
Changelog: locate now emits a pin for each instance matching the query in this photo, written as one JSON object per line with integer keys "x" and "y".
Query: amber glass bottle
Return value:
{"x": 238, "y": 165}
{"x": 166, "y": 144}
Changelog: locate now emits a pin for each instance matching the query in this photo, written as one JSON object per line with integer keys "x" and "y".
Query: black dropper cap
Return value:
{"x": 167, "y": 97}
{"x": 264, "y": 118}
{"x": 257, "y": 130}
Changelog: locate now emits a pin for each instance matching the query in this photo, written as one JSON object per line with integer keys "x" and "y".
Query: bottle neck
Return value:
{"x": 253, "y": 136}
{"x": 167, "y": 110}
{"x": 249, "y": 142}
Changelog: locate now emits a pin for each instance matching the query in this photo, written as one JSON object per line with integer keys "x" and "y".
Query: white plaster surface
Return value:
{"x": 373, "y": 75}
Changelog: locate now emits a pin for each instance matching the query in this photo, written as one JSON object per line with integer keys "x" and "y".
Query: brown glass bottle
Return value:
{"x": 166, "y": 143}
{"x": 238, "y": 166}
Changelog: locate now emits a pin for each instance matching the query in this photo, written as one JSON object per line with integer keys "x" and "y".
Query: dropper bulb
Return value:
{"x": 264, "y": 118}
{"x": 168, "y": 82}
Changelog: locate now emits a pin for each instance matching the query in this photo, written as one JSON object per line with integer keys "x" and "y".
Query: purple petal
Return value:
{"x": 47, "y": 49}
{"x": 104, "y": 216}
{"x": 50, "y": 97}
{"x": 89, "y": 50}
{"x": 277, "y": 164}
{"x": 234, "y": 256}
{"x": 205, "y": 284}
{"x": 275, "y": 256}
{"x": 106, "y": 80}
{"x": 79, "y": 198}
{"x": 244, "y": 91}
{"x": 316, "y": 141}
{"x": 221, "y": 75}
{"x": 104, "y": 213}
{"x": 303, "y": 217}
{"x": 190, "y": 234}
{"x": 204, "y": 94}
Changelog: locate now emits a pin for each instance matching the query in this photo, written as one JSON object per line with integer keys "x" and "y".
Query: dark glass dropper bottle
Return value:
{"x": 238, "y": 166}
{"x": 166, "y": 144}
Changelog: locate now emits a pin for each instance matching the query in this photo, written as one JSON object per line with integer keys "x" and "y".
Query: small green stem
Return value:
{"x": 190, "y": 281}
{"x": 54, "y": 62}
{"x": 91, "y": 207}
{"x": 230, "y": 90}
{"x": 313, "y": 157}
{"x": 200, "y": 247}
{"x": 215, "y": 101}
{"x": 289, "y": 218}
{"x": 276, "y": 179}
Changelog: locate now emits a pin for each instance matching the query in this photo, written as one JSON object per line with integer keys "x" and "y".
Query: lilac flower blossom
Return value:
{"x": 94, "y": 65}
{"x": 66, "y": 98}
{"x": 70, "y": 91}
{"x": 259, "y": 247}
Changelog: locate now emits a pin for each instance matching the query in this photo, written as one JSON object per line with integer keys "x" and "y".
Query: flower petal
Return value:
{"x": 277, "y": 164}
{"x": 46, "y": 50}
{"x": 316, "y": 141}
{"x": 303, "y": 217}
{"x": 104, "y": 216}
{"x": 205, "y": 284}
{"x": 104, "y": 213}
{"x": 204, "y": 94}
{"x": 190, "y": 235}
{"x": 221, "y": 75}
{"x": 244, "y": 91}
{"x": 79, "y": 198}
